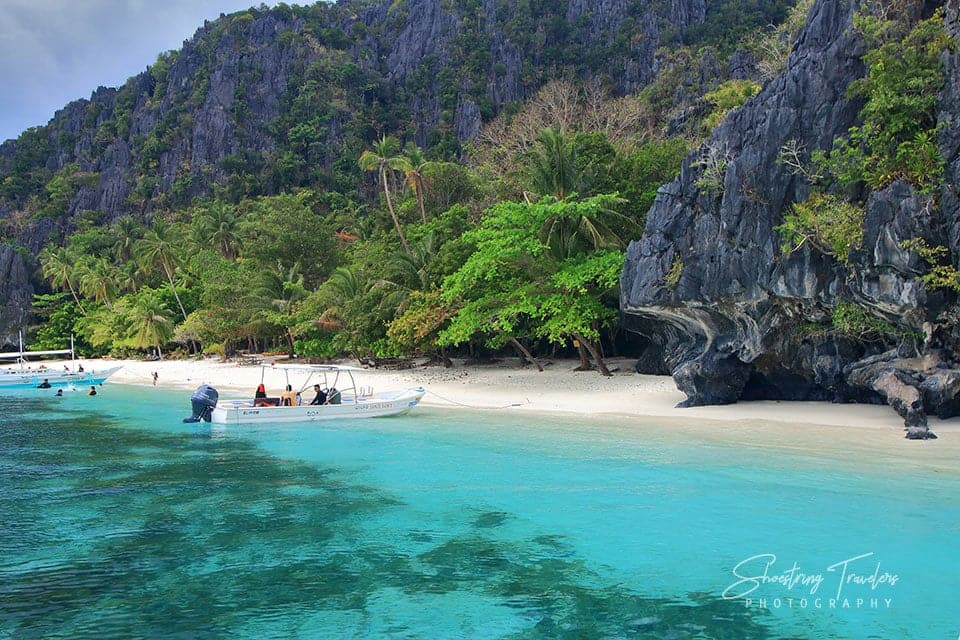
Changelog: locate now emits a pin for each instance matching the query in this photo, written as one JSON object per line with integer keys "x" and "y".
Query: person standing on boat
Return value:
{"x": 321, "y": 397}
{"x": 260, "y": 397}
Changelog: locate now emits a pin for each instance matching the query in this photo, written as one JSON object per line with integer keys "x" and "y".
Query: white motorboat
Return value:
{"x": 344, "y": 399}
{"x": 32, "y": 377}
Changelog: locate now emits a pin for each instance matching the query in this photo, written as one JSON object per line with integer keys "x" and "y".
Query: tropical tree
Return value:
{"x": 552, "y": 165}
{"x": 125, "y": 231}
{"x": 217, "y": 225}
{"x": 278, "y": 291}
{"x": 98, "y": 280}
{"x": 158, "y": 248}
{"x": 150, "y": 322}
{"x": 413, "y": 163}
{"x": 514, "y": 285}
{"x": 59, "y": 267}
{"x": 285, "y": 230}
{"x": 383, "y": 158}
{"x": 567, "y": 236}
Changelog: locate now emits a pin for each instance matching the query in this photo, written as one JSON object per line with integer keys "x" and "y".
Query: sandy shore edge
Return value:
{"x": 647, "y": 402}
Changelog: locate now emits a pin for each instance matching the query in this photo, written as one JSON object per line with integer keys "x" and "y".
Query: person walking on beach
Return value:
{"x": 155, "y": 376}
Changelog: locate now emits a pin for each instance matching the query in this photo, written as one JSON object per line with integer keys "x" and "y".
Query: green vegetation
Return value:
{"x": 942, "y": 274}
{"x": 329, "y": 232}
{"x": 897, "y": 137}
{"x": 896, "y": 140}
{"x": 852, "y": 320}
{"x": 830, "y": 225}
{"x": 672, "y": 279}
{"x": 728, "y": 96}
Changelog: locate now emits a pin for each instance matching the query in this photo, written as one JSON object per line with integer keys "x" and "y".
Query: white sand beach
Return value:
{"x": 649, "y": 402}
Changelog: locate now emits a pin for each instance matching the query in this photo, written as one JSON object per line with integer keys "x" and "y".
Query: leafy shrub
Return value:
{"x": 853, "y": 320}
{"x": 728, "y": 96}
{"x": 672, "y": 278}
{"x": 942, "y": 274}
{"x": 830, "y": 225}
{"x": 897, "y": 139}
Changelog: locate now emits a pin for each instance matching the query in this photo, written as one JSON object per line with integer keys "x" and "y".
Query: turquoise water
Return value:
{"x": 118, "y": 521}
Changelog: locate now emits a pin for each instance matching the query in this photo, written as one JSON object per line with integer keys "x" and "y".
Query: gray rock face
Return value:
{"x": 421, "y": 69}
{"x": 220, "y": 94}
{"x": 731, "y": 326}
{"x": 16, "y": 292}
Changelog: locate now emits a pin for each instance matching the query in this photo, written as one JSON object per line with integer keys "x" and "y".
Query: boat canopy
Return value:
{"x": 9, "y": 355}
{"x": 309, "y": 367}
{"x": 327, "y": 375}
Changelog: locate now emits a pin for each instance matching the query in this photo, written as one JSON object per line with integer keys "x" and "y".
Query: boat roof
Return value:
{"x": 310, "y": 367}
{"x": 7, "y": 355}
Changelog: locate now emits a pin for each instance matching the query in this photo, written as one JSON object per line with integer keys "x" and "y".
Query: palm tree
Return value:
{"x": 413, "y": 163}
{"x": 553, "y": 165}
{"x": 99, "y": 281}
{"x": 158, "y": 248}
{"x": 150, "y": 323}
{"x": 59, "y": 266}
{"x": 343, "y": 286}
{"x": 569, "y": 236}
{"x": 383, "y": 158}
{"x": 279, "y": 290}
{"x": 128, "y": 277}
{"x": 126, "y": 231}
{"x": 219, "y": 227}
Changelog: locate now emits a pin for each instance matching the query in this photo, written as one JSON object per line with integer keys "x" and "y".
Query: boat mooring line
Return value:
{"x": 473, "y": 406}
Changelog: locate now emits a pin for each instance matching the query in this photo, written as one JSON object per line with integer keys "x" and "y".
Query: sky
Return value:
{"x": 55, "y": 51}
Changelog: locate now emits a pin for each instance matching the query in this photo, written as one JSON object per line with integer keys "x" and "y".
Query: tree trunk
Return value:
{"x": 174, "y": 288}
{"x": 597, "y": 357}
{"x": 524, "y": 353}
{"x": 584, "y": 358}
{"x": 75, "y": 298}
{"x": 393, "y": 214}
{"x": 423, "y": 211}
{"x": 290, "y": 343}
{"x": 447, "y": 362}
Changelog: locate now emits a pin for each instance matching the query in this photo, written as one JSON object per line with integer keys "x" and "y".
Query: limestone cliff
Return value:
{"x": 275, "y": 99}
{"x": 709, "y": 283}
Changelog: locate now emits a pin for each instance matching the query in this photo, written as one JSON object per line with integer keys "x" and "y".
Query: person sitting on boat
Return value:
{"x": 44, "y": 385}
{"x": 333, "y": 396}
{"x": 321, "y": 397}
{"x": 289, "y": 397}
{"x": 260, "y": 397}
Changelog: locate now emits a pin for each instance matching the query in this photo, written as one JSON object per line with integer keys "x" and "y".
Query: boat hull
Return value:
{"x": 243, "y": 411}
{"x": 17, "y": 379}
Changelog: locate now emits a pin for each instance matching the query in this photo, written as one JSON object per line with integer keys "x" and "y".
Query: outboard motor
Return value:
{"x": 204, "y": 399}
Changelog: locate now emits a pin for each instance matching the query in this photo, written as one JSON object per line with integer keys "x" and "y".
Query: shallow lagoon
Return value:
{"x": 119, "y": 521}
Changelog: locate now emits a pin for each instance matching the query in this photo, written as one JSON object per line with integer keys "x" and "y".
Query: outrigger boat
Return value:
{"x": 344, "y": 399}
{"x": 31, "y": 378}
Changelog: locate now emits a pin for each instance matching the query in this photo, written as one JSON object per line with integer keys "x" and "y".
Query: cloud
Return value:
{"x": 56, "y": 51}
